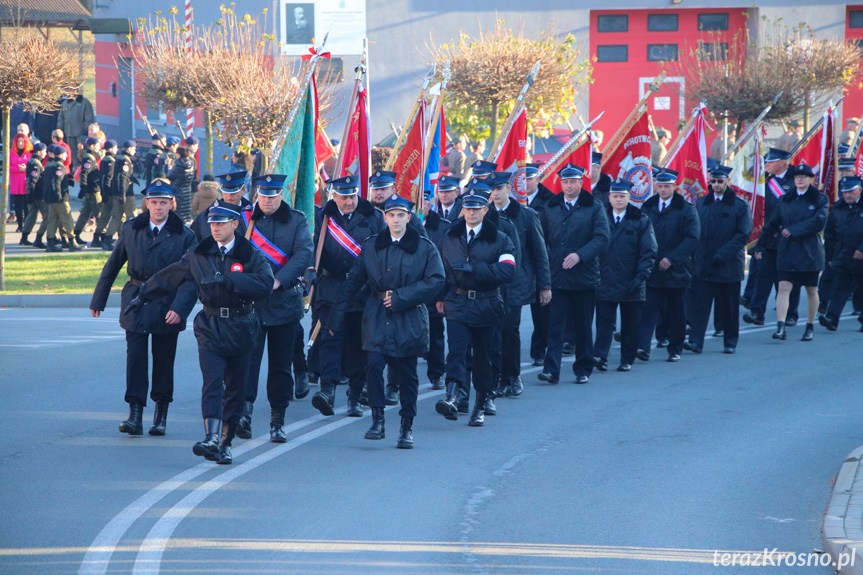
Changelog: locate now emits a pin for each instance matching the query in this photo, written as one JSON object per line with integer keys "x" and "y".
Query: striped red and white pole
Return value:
{"x": 190, "y": 112}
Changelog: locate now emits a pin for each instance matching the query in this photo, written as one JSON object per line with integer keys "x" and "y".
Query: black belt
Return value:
{"x": 380, "y": 294}
{"x": 473, "y": 294}
{"x": 229, "y": 311}
{"x": 135, "y": 282}
{"x": 335, "y": 276}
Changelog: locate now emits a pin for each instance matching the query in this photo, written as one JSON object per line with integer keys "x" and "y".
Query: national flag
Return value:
{"x": 432, "y": 171}
{"x": 690, "y": 158}
{"x": 630, "y": 160}
{"x": 512, "y": 156}
{"x": 580, "y": 155}
{"x": 747, "y": 177}
{"x": 817, "y": 150}
{"x": 408, "y": 166}
{"x": 356, "y": 157}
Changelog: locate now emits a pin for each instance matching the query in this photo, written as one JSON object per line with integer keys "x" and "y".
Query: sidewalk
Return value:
{"x": 13, "y": 237}
{"x": 843, "y": 524}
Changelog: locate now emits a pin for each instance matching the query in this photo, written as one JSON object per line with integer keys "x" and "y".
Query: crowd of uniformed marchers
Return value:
{"x": 448, "y": 282}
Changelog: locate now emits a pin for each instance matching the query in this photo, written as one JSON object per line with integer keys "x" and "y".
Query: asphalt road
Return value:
{"x": 654, "y": 471}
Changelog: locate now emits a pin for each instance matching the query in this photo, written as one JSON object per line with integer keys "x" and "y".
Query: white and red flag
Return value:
{"x": 409, "y": 162}
{"x": 356, "y": 159}
{"x": 630, "y": 160}
{"x": 512, "y": 156}
{"x": 689, "y": 159}
{"x": 580, "y": 155}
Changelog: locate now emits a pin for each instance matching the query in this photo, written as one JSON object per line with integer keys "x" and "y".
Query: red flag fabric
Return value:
{"x": 580, "y": 155}
{"x": 513, "y": 156}
{"x": 630, "y": 161}
{"x": 356, "y": 159}
{"x": 408, "y": 166}
{"x": 690, "y": 160}
{"x": 810, "y": 152}
{"x": 829, "y": 172}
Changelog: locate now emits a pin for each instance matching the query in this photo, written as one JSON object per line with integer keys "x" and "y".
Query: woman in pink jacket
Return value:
{"x": 19, "y": 154}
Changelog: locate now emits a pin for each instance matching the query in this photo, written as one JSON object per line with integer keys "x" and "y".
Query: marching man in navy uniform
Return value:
{"x": 436, "y": 227}
{"x": 576, "y": 233}
{"x": 282, "y": 235}
{"x": 538, "y": 197}
{"x": 232, "y": 186}
{"x": 230, "y": 274}
{"x": 148, "y": 243}
{"x": 843, "y": 243}
{"x": 478, "y": 259}
{"x": 350, "y": 221}
{"x": 382, "y": 186}
{"x": 396, "y": 273}
{"x": 449, "y": 202}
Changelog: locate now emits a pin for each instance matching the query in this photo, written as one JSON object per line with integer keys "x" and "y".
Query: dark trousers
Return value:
{"x": 843, "y": 287}
{"x": 313, "y": 362}
{"x": 137, "y": 363}
{"x": 511, "y": 346}
{"x": 230, "y": 371}
{"x": 299, "y": 358}
{"x": 751, "y": 279}
{"x": 280, "y": 383}
{"x": 342, "y": 353}
{"x": 606, "y": 319}
{"x": 539, "y": 337}
{"x": 436, "y": 356}
{"x": 403, "y": 373}
{"x": 825, "y": 286}
{"x": 461, "y": 337}
{"x": 578, "y": 306}
{"x": 668, "y": 302}
{"x": 727, "y": 313}
{"x": 496, "y": 353}
{"x": 19, "y": 208}
{"x": 767, "y": 280}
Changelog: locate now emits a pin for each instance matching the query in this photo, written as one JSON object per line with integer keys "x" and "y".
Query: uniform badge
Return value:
{"x": 269, "y": 178}
{"x": 216, "y": 204}
{"x": 87, "y": 166}
{"x": 228, "y": 178}
{"x": 34, "y": 173}
{"x": 811, "y": 207}
{"x": 237, "y": 267}
{"x": 59, "y": 172}
{"x": 156, "y": 161}
{"x": 125, "y": 167}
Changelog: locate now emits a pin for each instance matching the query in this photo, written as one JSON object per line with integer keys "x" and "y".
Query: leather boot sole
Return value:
{"x": 447, "y": 410}
{"x": 373, "y": 435}
{"x": 126, "y": 427}
{"x": 210, "y": 453}
{"x": 402, "y": 444}
{"x": 156, "y": 430}
{"x": 321, "y": 404}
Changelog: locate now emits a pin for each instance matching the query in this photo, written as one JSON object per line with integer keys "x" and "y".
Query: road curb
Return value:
{"x": 842, "y": 532}
{"x": 54, "y": 300}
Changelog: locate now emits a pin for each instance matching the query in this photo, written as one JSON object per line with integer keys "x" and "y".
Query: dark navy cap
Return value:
{"x": 346, "y": 186}
{"x": 804, "y": 170}
{"x": 271, "y": 185}
{"x": 476, "y": 196}
{"x": 499, "y": 179}
{"x": 381, "y": 179}
{"x": 39, "y": 146}
{"x": 842, "y": 149}
{"x": 91, "y": 142}
{"x": 477, "y": 183}
{"x": 335, "y": 141}
{"x": 483, "y": 168}
{"x": 849, "y": 183}
{"x": 232, "y": 182}
{"x": 595, "y": 157}
{"x": 173, "y": 141}
{"x": 55, "y": 149}
{"x": 192, "y": 140}
{"x": 665, "y": 176}
{"x": 128, "y": 144}
{"x": 109, "y": 144}
{"x": 571, "y": 172}
{"x": 448, "y": 184}
{"x": 157, "y": 136}
{"x": 159, "y": 189}
{"x": 620, "y": 186}
{"x": 222, "y": 211}
{"x": 776, "y": 154}
{"x": 847, "y": 163}
{"x": 397, "y": 202}
{"x": 654, "y": 169}
{"x": 531, "y": 170}
{"x": 720, "y": 171}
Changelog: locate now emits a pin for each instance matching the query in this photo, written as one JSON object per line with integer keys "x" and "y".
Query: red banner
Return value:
{"x": 580, "y": 155}
{"x": 408, "y": 166}
{"x": 356, "y": 159}
{"x": 513, "y": 156}
{"x": 631, "y": 160}
{"x": 690, "y": 160}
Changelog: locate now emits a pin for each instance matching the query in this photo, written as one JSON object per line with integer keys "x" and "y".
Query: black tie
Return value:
{"x": 470, "y": 236}
{"x": 155, "y": 232}
{"x": 223, "y": 249}
{"x": 568, "y": 206}
{"x": 446, "y": 214}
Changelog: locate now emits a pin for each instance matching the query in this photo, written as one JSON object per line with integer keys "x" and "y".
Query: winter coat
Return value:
{"x": 17, "y": 175}
{"x": 45, "y": 122}
{"x": 106, "y": 175}
{"x": 541, "y": 199}
{"x": 154, "y": 164}
{"x": 532, "y": 273}
{"x": 202, "y": 228}
{"x": 725, "y": 228}
{"x": 122, "y": 183}
{"x": 505, "y": 225}
{"x": 436, "y": 228}
{"x": 89, "y": 176}
{"x": 804, "y": 217}
{"x": 582, "y": 230}
{"x": 35, "y": 169}
{"x": 55, "y": 183}
{"x": 208, "y": 192}
{"x": 182, "y": 174}
{"x": 144, "y": 255}
{"x": 287, "y": 230}
{"x": 75, "y": 116}
{"x": 677, "y": 232}
{"x": 247, "y": 277}
{"x": 843, "y": 236}
{"x": 412, "y": 270}
{"x": 601, "y": 188}
{"x": 337, "y": 261}
{"x": 492, "y": 259}
{"x": 454, "y": 210}
{"x": 626, "y": 265}
{"x": 771, "y": 202}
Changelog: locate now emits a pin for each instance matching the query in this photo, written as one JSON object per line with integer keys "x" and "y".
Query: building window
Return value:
{"x": 612, "y": 23}
{"x": 713, "y": 51}
{"x": 855, "y": 18}
{"x": 617, "y": 53}
{"x": 661, "y": 52}
{"x": 707, "y": 22}
{"x": 662, "y": 22}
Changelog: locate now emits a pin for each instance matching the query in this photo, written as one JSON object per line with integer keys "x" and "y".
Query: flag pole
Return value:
{"x": 811, "y": 133}
{"x": 430, "y": 134}
{"x": 633, "y": 116}
{"x": 516, "y": 110}
{"x": 359, "y": 70}
{"x": 681, "y": 136}
{"x": 411, "y": 118}
{"x": 550, "y": 164}
{"x": 750, "y": 131}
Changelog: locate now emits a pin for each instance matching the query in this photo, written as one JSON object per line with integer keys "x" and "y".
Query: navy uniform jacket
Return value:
{"x": 532, "y": 273}
{"x": 55, "y": 183}
{"x": 202, "y": 228}
{"x": 454, "y": 210}
{"x": 89, "y": 176}
{"x": 582, "y": 230}
{"x": 843, "y": 236}
{"x": 725, "y": 229}
{"x": 436, "y": 228}
{"x": 288, "y": 230}
{"x": 541, "y": 199}
{"x": 677, "y": 233}
{"x": 106, "y": 175}
{"x": 805, "y": 217}
{"x": 35, "y": 170}
{"x": 771, "y": 202}
{"x": 121, "y": 186}
{"x": 144, "y": 255}
{"x": 601, "y": 189}
{"x": 626, "y": 265}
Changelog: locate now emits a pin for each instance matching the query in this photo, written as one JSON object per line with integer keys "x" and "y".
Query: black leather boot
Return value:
{"x": 277, "y": 424}
{"x": 462, "y": 398}
{"x": 376, "y": 431}
{"x": 446, "y": 407}
{"x": 78, "y": 239}
{"x": 391, "y": 397}
{"x": 516, "y": 387}
{"x": 74, "y": 246}
{"x": 209, "y": 447}
{"x": 107, "y": 243}
{"x": 244, "y": 426}
{"x": 406, "y": 434}
{"x": 477, "y": 417}
{"x": 809, "y": 333}
{"x": 38, "y": 244}
{"x": 228, "y": 434}
{"x": 23, "y": 241}
{"x": 323, "y": 400}
{"x": 780, "y": 331}
{"x": 97, "y": 241}
{"x": 53, "y": 247}
{"x": 160, "y": 418}
{"x": 488, "y": 406}
{"x": 354, "y": 407}
{"x": 301, "y": 385}
{"x": 133, "y": 425}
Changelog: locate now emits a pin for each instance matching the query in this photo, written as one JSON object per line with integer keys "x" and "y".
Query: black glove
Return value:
{"x": 310, "y": 278}
{"x": 135, "y": 304}
{"x": 462, "y": 266}
{"x": 216, "y": 278}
